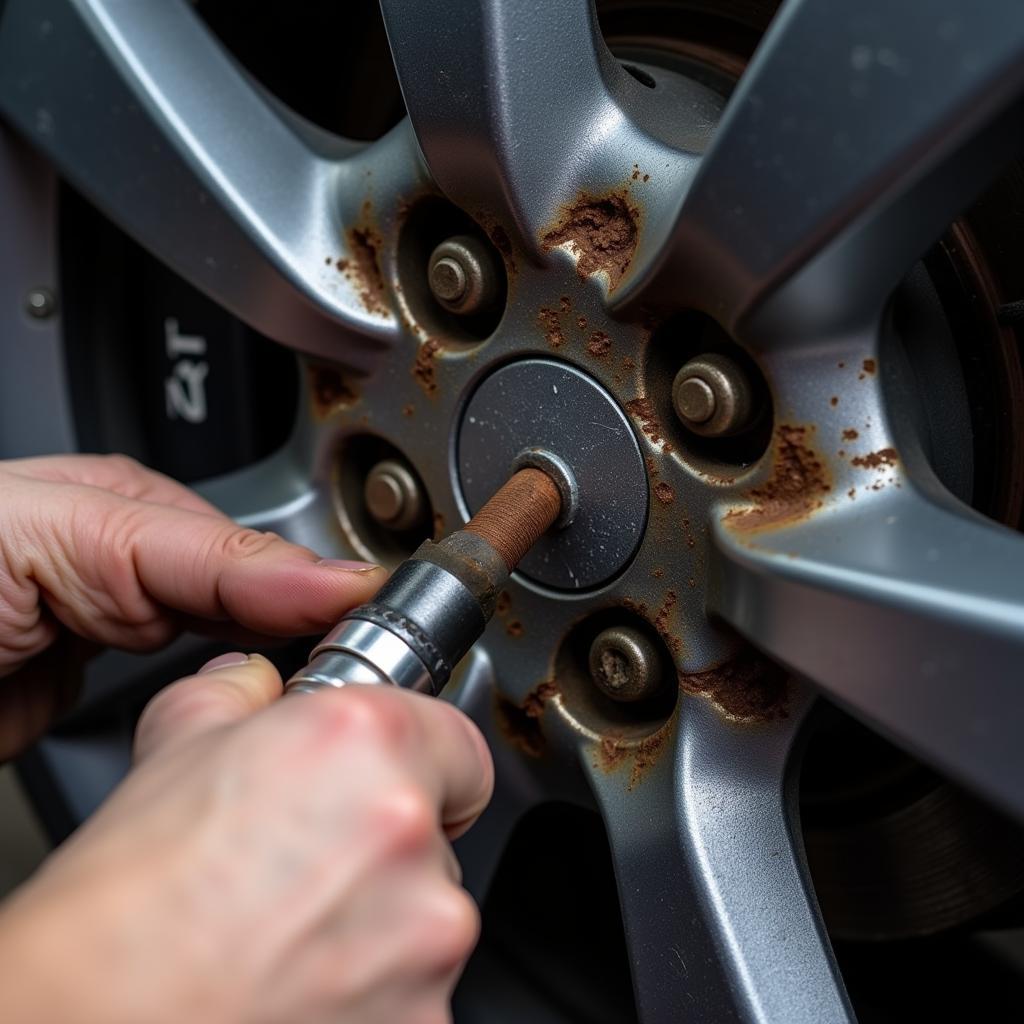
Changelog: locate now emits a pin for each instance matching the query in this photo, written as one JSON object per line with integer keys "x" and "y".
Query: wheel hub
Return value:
{"x": 554, "y": 407}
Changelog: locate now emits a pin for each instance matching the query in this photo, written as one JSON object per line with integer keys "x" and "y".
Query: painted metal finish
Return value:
{"x": 538, "y": 403}
{"x": 254, "y": 207}
{"x": 32, "y": 366}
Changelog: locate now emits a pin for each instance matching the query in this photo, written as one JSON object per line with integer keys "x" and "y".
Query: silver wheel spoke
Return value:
{"x": 521, "y": 109}
{"x": 906, "y": 609}
{"x": 286, "y": 494}
{"x": 847, "y": 140}
{"x": 719, "y": 917}
{"x": 139, "y": 107}
{"x": 516, "y": 789}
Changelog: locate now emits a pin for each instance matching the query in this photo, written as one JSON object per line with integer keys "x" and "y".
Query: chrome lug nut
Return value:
{"x": 393, "y": 496}
{"x": 712, "y": 397}
{"x": 462, "y": 275}
{"x": 625, "y": 665}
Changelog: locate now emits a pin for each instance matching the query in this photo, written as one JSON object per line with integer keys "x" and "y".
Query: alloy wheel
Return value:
{"x": 631, "y": 224}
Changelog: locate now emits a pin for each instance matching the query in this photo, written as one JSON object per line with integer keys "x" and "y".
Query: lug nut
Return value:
{"x": 711, "y": 396}
{"x": 393, "y": 496}
{"x": 625, "y": 665}
{"x": 462, "y": 275}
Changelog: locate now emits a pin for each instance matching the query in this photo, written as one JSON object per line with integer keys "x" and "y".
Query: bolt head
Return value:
{"x": 625, "y": 665}
{"x": 40, "y": 303}
{"x": 462, "y": 275}
{"x": 694, "y": 400}
{"x": 448, "y": 280}
{"x": 712, "y": 397}
{"x": 392, "y": 495}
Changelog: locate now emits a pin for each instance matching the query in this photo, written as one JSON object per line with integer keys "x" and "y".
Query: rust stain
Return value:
{"x": 616, "y": 752}
{"x": 850, "y": 434}
{"x": 642, "y": 409}
{"x": 581, "y": 322}
{"x": 408, "y": 410}
{"x": 438, "y": 526}
{"x": 645, "y": 755}
{"x": 657, "y": 573}
{"x": 660, "y": 619}
{"x": 503, "y": 603}
{"x": 664, "y": 493}
{"x": 601, "y": 232}
{"x": 551, "y": 325}
{"x": 423, "y": 369}
{"x": 661, "y": 622}
{"x": 599, "y": 344}
{"x": 750, "y": 688}
{"x": 520, "y": 723}
{"x": 565, "y": 304}
{"x": 869, "y": 366}
{"x": 362, "y": 268}
{"x": 797, "y": 486}
{"x": 834, "y": 401}
{"x": 873, "y": 460}
{"x": 330, "y": 391}
{"x": 612, "y": 753}
{"x": 514, "y": 628}
{"x": 533, "y": 705}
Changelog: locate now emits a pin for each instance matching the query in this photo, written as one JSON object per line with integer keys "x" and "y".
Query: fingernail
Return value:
{"x": 230, "y": 660}
{"x": 347, "y": 566}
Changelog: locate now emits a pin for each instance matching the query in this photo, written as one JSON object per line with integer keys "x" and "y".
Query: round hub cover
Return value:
{"x": 542, "y": 404}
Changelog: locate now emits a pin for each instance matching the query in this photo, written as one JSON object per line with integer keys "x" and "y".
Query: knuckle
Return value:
{"x": 404, "y": 820}
{"x": 455, "y": 927}
{"x": 368, "y": 713}
{"x": 168, "y": 703}
{"x": 239, "y": 542}
{"x": 124, "y": 465}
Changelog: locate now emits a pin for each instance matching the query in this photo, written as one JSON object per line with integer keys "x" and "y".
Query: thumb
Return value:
{"x": 226, "y": 690}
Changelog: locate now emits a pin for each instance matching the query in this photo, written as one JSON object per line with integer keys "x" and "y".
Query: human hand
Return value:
{"x": 267, "y": 861}
{"x": 105, "y": 551}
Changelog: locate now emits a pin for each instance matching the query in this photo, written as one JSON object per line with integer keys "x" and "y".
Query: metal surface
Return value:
{"x": 625, "y": 665}
{"x": 462, "y": 275}
{"x": 392, "y": 495}
{"x": 711, "y": 396}
{"x": 33, "y": 375}
{"x": 693, "y": 399}
{"x": 222, "y": 221}
{"x": 357, "y": 652}
{"x": 857, "y": 133}
{"x": 543, "y": 404}
{"x": 558, "y": 470}
{"x": 41, "y": 303}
